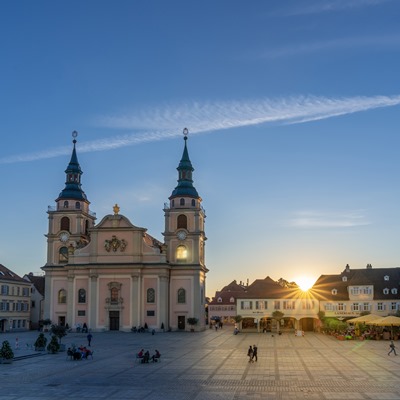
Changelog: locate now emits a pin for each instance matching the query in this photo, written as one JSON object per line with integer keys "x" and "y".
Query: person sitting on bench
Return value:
{"x": 156, "y": 356}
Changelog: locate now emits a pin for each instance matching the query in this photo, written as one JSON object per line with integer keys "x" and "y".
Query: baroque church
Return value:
{"x": 113, "y": 275}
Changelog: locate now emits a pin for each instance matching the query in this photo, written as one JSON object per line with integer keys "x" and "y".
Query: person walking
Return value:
{"x": 250, "y": 354}
{"x": 89, "y": 338}
{"x": 392, "y": 348}
{"x": 255, "y": 350}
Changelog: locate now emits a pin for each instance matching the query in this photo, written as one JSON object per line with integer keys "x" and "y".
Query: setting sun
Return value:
{"x": 305, "y": 282}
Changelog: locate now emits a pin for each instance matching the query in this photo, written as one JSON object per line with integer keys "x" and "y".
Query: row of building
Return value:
{"x": 343, "y": 296}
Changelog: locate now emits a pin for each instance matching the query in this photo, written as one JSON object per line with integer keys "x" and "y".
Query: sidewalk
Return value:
{"x": 206, "y": 365}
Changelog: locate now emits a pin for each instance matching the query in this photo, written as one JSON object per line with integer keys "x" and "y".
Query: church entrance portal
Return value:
{"x": 181, "y": 322}
{"x": 114, "y": 320}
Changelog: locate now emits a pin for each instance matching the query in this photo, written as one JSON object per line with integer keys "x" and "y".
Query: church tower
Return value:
{"x": 185, "y": 241}
{"x": 71, "y": 219}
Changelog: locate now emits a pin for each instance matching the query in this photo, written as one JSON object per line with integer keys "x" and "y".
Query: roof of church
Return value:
{"x": 73, "y": 189}
{"x": 8, "y": 275}
{"x": 185, "y": 183}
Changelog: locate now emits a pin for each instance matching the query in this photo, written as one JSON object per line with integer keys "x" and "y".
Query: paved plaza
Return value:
{"x": 205, "y": 365}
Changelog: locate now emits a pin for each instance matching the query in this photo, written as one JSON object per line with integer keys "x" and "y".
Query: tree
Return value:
{"x": 238, "y": 318}
{"x": 6, "y": 351}
{"x": 53, "y": 347}
{"x": 59, "y": 331}
{"x": 192, "y": 321}
{"x": 40, "y": 342}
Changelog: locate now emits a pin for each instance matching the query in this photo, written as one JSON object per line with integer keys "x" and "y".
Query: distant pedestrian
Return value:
{"x": 255, "y": 350}
{"x": 392, "y": 348}
{"x": 250, "y": 354}
{"x": 89, "y": 339}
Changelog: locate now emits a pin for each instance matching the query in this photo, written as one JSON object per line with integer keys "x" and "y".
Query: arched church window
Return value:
{"x": 181, "y": 296}
{"x": 64, "y": 224}
{"x": 151, "y": 295}
{"x": 182, "y": 221}
{"x": 62, "y": 296}
{"x": 181, "y": 253}
{"x": 66, "y": 204}
{"x": 63, "y": 255}
{"x": 81, "y": 296}
{"x": 77, "y": 205}
{"x": 182, "y": 202}
{"x": 193, "y": 202}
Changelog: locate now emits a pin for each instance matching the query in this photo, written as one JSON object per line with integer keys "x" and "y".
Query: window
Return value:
{"x": 81, "y": 313}
{"x": 307, "y": 305}
{"x": 355, "y": 291}
{"x": 151, "y": 295}
{"x": 33, "y": 304}
{"x": 181, "y": 296}
{"x": 341, "y": 307}
{"x": 355, "y": 307}
{"x": 66, "y": 204}
{"x": 367, "y": 290}
{"x": 4, "y": 289}
{"x": 193, "y": 202}
{"x": 277, "y": 305}
{"x": 77, "y": 205}
{"x": 232, "y": 300}
{"x": 261, "y": 305}
{"x": 62, "y": 296}
{"x": 344, "y": 279}
{"x": 114, "y": 295}
{"x": 393, "y": 306}
{"x": 181, "y": 253}
{"x": 334, "y": 292}
{"x": 366, "y": 307}
{"x": 64, "y": 225}
{"x": 81, "y": 296}
{"x": 151, "y": 313}
{"x": 386, "y": 291}
{"x": 246, "y": 305}
{"x": 289, "y": 304}
{"x": 386, "y": 277}
{"x": 219, "y": 300}
{"x": 394, "y": 291}
{"x": 380, "y": 307}
{"x": 63, "y": 255}
{"x": 182, "y": 221}
{"x": 182, "y": 202}
{"x": 329, "y": 307}
{"x": 25, "y": 291}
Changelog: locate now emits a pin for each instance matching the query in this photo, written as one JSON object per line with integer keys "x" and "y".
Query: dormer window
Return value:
{"x": 386, "y": 291}
{"x": 386, "y": 277}
{"x": 334, "y": 292}
{"x": 232, "y": 300}
{"x": 394, "y": 291}
{"x": 344, "y": 279}
{"x": 219, "y": 300}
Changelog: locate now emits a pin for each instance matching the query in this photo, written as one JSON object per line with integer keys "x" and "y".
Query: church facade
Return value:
{"x": 113, "y": 275}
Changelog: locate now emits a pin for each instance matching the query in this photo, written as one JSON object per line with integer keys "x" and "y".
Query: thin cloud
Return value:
{"x": 211, "y": 117}
{"x": 324, "y": 220}
{"x": 343, "y": 43}
{"x": 325, "y": 6}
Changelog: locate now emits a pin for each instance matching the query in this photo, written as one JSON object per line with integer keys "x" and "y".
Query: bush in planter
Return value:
{"x": 192, "y": 322}
{"x": 6, "y": 351}
{"x": 40, "y": 343}
{"x": 53, "y": 346}
{"x": 59, "y": 331}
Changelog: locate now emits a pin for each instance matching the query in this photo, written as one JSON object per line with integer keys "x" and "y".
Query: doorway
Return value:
{"x": 61, "y": 321}
{"x": 181, "y": 322}
{"x": 114, "y": 320}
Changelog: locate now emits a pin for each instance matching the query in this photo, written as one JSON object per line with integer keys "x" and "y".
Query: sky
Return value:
{"x": 292, "y": 107}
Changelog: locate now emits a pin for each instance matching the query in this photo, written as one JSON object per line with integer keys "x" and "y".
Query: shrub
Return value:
{"x": 6, "y": 351}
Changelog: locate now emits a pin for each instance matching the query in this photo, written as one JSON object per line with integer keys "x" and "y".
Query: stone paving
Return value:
{"x": 205, "y": 365}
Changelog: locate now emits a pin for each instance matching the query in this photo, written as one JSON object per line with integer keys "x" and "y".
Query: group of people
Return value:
{"x": 252, "y": 353}
{"x": 144, "y": 356}
{"x": 79, "y": 353}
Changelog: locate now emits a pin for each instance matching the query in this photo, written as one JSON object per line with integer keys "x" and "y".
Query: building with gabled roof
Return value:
{"x": 353, "y": 291}
{"x": 37, "y": 298}
{"x": 14, "y": 301}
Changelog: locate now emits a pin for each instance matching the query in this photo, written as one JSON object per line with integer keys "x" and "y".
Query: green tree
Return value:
{"x": 58, "y": 330}
{"x": 6, "y": 351}
{"x": 53, "y": 347}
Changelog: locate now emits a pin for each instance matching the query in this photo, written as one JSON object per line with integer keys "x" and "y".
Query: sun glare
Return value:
{"x": 305, "y": 282}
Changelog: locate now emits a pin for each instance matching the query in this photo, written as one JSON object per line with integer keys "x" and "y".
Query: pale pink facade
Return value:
{"x": 113, "y": 275}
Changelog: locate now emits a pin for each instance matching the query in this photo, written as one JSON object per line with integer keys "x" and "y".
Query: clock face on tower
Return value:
{"x": 64, "y": 236}
{"x": 181, "y": 235}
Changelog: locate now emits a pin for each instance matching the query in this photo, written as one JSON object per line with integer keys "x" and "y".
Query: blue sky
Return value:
{"x": 292, "y": 108}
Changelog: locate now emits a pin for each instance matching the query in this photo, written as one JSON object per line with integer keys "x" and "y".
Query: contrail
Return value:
{"x": 213, "y": 116}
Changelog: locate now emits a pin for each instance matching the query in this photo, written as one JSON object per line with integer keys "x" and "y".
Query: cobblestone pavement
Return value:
{"x": 205, "y": 365}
